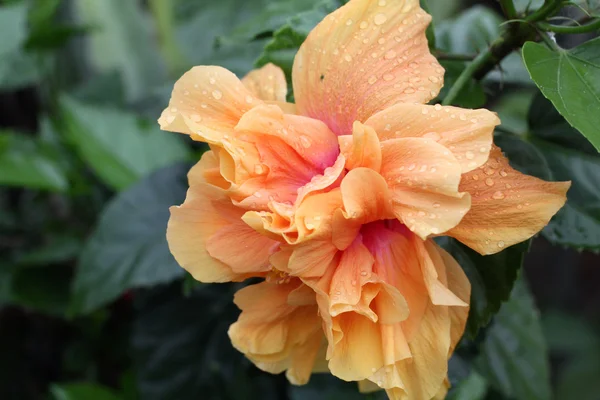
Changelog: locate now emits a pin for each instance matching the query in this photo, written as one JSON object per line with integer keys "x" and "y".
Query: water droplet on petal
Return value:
{"x": 305, "y": 141}
{"x": 436, "y": 205}
{"x": 388, "y": 77}
{"x": 498, "y": 195}
{"x": 501, "y": 244}
{"x": 372, "y": 79}
{"x": 217, "y": 94}
{"x": 257, "y": 194}
{"x": 363, "y": 273}
{"x": 364, "y": 25}
{"x": 196, "y": 118}
{"x": 249, "y": 99}
{"x": 212, "y": 81}
{"x": 390, "y": 54}
{"x": 380, "y": 19}
{"x": 349, "y": 22}
{"x": 411, "y": 167}
{"x": 469, "y": 155}
{"x": 489, "y": 182}
{"x": 503, "y": 173}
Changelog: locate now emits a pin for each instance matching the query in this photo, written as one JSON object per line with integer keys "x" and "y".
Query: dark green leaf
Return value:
{"x": 44, "y": 289}
{"x": 17, "y": 68}
{"x": 528, "y": 5}
{"x": 24, "y": 163}
{"x": 512, "y": 109}
{"x": 492, "y": 278}
{"x": 282, "y": 49}
{"x": 118, "y": 146}
{"x": 82, "y": 391}
{"x": 474, "y": 387}
{"x": 328, "y": 387}
{"x": 471, "y": 95}
{"x": 470, "y": 32}
{"x": 430, "y": 32}
{"x": 123, "y": 42}
{"x": 570, "y": 79}
{"x": 128, "y": 249}
{"x": 62, "y": 248}
{"x": 182, "y": 351}
{"x": 514, "y": 356}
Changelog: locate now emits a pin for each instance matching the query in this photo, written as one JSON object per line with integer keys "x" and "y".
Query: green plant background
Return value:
{"x": 93, "y": 306}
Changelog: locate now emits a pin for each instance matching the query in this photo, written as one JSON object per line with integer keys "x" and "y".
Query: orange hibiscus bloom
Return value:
{"x": 334, "y": 201}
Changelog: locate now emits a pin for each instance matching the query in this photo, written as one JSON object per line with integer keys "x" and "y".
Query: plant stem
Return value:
{"x": 508, "y": 7}
{"x": 570, "y": 30}
{"x": 513, "y": 37}
{"x": 440, "y": 55}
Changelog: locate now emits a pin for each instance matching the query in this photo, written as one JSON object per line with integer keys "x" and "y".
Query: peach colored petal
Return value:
{"x": 206, "y": 212}
{"x": 206, "y": 103}
{"x": 459, "y": 284}
{"x": 433, "y": 266}
{"x": 362, "y": 148}
{"x": 507, "y": 207}
{"x": 275, "y": 334}
{"x": 267, "y": 83}
{"x": 423, "y": 177}
{"x": 366, "y": 199}
{"x": 362, "y": 58}
{"x": 466, "y": 133}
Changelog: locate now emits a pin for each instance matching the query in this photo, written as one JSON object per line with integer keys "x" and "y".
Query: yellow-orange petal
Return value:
{"x": 267, "y": 83}
{"x": 423, "y": 177}
{"x": 207, "y": 102}
{"x": 508, "y": 207}
{"x": 275, "y": 334}
{"x": 361, "y": 149}
{"x": 206, "y": 212}
{"x": 467, "y": 134}
{"x": 434, "y": 268}
{"x": 362, "y": 58}
{"x": 366, "y": 198}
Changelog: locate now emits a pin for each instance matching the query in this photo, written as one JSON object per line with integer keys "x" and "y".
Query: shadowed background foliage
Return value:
{"x": 93, "y": 306}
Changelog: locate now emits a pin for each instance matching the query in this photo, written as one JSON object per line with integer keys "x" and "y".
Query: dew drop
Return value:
{"x": 470, "y": 155}
{"x": 501, "y": 244}
{"x": 363, "y": 273}
{"x": 411, "y": 167}
{"x": 196, "y": 118}
{"x": 503, "y": 173}
{"x": 347, "y": 57}
{"x": 434, "y": 79}
{"x": 305, "y": 142}
{"x": 432, "y": 135}
{"x": 498, "y": 195}
{"x": 388, "y": 77}
{"x": 259, "y": 169}
{"x": 436, "y": 205}
{"x": 390, "y": 54}
{"x": 364, "y": 25}
{"x": 217, "y": 94}
{"x": 438, "y": 107}
{"x": 212, "y": 81}
{"x": 380, "y": 19}
{"x": 409, "y": 90}
{"x": 249, "y": 99}
{"x": 257, "y": 194}
{"x": 349, "y": 22}
{"x": 489, "y": 182}
{"x": 482, "y": 149}
{"x": 372, "y": 79}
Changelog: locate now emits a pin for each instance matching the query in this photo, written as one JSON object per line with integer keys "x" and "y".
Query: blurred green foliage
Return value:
{"x": 94, "y": 306}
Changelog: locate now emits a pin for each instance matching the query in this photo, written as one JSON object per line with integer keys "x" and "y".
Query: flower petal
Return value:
{"x": 508, "y": 207}
{"x": 466, "y": 133}
{"x": 206, "y": 103}
{"x": 274, "y": 334}
{"x": 423, "y": 177}
{"x": 362, "y": 58}
{"x": 433, "y": 266}
{"x": 362, "y": 149}
{"x": 206, "y": 212}
{"x": 267, "y": 83}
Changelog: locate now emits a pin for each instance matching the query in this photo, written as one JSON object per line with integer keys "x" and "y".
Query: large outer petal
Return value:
{"x": 267, "y": 83}
{"x": 507, "y": 207}
{"x": 362, "y": 58}
{"x": 466, "y": 133}
{"x": 276, "y": 331}
{"x": 206, "y": 103}
{"x": 207, "y": 236}
{"x": 423, "y": 177}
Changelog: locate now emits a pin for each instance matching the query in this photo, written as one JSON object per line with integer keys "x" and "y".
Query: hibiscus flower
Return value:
{"x": 334, "y": 201}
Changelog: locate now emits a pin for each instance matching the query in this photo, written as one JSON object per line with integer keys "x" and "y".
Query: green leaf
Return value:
{"x": 286, "y": 41}
{"x": 513, "y": 356}
{"x": 570, "y": 79}
{"x": 492, "y": 278}
{"x": 23, "y": 162}
{"x": 82, "y": 391}
{"x": 44, "y": 289}
{"x": 474, "y": 387}
{"x": 512, "y": 109}
{"x": 430, "y": 32}
{"x": 471, "y": 95}
{"x": 118, "y": 146}
{"x": 17, "y": 68}
{"x": 123, "y": 42}
{"x": 181, "y": 349}
{"x": 528, "y": 5}
{"x": 128, "y": 248}
{"x": 470, "y": 32}
{"x": 329, "y": 387}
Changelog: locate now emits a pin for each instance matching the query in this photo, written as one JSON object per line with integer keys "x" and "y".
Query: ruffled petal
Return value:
{"x": 275, "y": 334}
{"x": 207, "y": 102}
{"x": 362, "y": 58}
{"x": 267, "y": 83}
{"x": 362, "y": 148}
{"x": 466, "y": 133}
{"x": 423, "y": 177}
{"x": 508, "y": 207}
{"x": 205, "y": 224}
